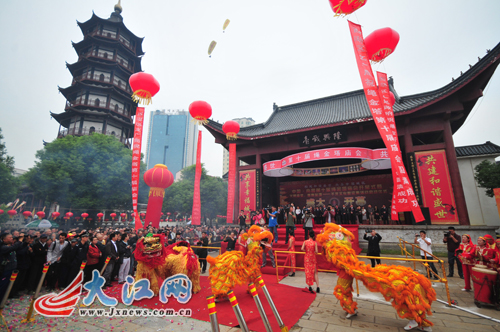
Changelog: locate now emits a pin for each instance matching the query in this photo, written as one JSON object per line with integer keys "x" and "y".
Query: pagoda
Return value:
{"x": 99, "y": 97}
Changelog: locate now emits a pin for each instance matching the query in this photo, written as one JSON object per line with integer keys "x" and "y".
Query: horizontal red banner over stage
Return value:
{"x": 272, "y": 168}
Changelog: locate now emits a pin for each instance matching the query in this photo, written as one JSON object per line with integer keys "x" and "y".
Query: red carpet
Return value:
{"x": 291, "y": 303}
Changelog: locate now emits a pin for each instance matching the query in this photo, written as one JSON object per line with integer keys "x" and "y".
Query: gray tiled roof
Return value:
{"x": 487, "y": 148}
{"x": 350, "y": 107}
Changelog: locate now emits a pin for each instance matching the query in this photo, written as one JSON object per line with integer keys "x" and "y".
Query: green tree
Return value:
{"x": 88, "y": 172}
{"x": 488, "y": 176}
{"x": 213, "y": 194}
{"x": 9, "y": 184}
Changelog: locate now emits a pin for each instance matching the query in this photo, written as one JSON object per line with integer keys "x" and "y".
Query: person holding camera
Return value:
{"x": 273, "y": 222}
{"x": 373, "y": 245}
{"x": 425, "y": 244}
{"x": 308, "y": 221}
{"x": 231, "y": 241}
{"x": 290, "y": 221}
{"x": 329, "y": 215}
{"x": 452, "y": 241}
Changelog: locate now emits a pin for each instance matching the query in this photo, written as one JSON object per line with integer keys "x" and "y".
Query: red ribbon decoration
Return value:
{"x": 136, "y": 162}
{"x": 403, "y": 198}
{"x": 196, "y": 215}
{"x": 231, "y": 183}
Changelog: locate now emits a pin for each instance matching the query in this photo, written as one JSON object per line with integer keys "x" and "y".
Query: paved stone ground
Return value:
{"x": 325, "y": 314}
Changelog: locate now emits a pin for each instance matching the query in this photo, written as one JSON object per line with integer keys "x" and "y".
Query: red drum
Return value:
{"x": 484, "y": 281}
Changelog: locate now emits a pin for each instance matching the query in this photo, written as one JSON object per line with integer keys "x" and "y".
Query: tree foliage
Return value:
{"x": 9, "y": 184}
{"x": 88, "y": 172}
{"x": 213, "y": 194}
{"x": 488, "y": 176}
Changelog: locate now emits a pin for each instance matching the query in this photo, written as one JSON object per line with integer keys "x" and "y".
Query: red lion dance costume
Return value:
{"x": 157, "y": 262}
{"x": 234, "y": 268}
{"x": 411, "y": 293}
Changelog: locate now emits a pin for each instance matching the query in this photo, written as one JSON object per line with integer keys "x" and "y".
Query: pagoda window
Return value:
{"x": 117, "y": 108}
{"x": 101, "y": 77}
{"x": 97, "y": 102}
{"x": 113, "y": 133}
{"x": 92, "y": 129}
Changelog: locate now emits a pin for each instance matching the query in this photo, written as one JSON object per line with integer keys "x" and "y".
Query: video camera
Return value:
{"x": 368, "y": 230}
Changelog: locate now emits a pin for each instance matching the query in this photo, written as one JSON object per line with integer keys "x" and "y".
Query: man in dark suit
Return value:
{"x": 39, "y": 259}
{"x": 345, "y": 217}
{"x": 385, "y": 214}
{"x": 202, "y": 253}
{"x": 112, "y": 251}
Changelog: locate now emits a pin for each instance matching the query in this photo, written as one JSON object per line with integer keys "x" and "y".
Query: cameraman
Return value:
{"x": 273, "y": 222}
{"x": 329, "y": 215}
{"x": 308, "y": 221}
{"x": 452, "y": 241}
{"x": 373, "y": 245}
{"x": 425, "y": 244}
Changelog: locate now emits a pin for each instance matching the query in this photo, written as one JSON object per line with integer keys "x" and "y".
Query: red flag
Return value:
{"x": 196, "y": 215}
{"x": 403, "y": 198}
{"x": 231, "y": 182}
{"x": 136, "y": 162}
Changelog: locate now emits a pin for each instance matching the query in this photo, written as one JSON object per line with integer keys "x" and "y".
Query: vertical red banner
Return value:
{"x": 496, "y": 191}
{"x": 403, "y": 198}
{"x": 196, "y": 214}
{"x": 247, "y": 191}
{"x": 231, "y": 182}
{"x": 437, "y": 192}
{"x": 136, "y": 162}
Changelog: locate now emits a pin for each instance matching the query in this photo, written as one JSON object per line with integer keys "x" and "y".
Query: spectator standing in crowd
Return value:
{"x": 310, "y": 246}
{"x": 364, "y": 216}
{"x": 345, "y": 217}
{"x": 425, "y": 244}
{"x": 54, "y": 254}
{"x": 39, "y": 260}
{"x": 112, "y": 251}
{"x": 133, "y": 238}
{"x": 243, "y": 219}
{"x": 329, "y": 215}
{"x": 67, "y": 258}
{"x": 93, "y": 256}
{"x": 291, "y": 257}
{"x": 308, "y": 222}
{"x": 376, "y": 215}
{"x": 268, "y": 250}
{"x": 124, "y": 252}
{"x": 82, "y": 248}
{"x": 8, "y": 259}
{"x": 359, "y": 215}
{"x": 352, "y": 216}
{"x": 101, "y": 244}
{"x": 23, "y": 265}
{"x": 384, "y": 214}
{"x": 273, "y": 222}
{"x": 373, "y": 245}
{"x": 298, "y": 214}
{"x": 452, "y": 241}
{"x": 371, "y": 215}
{"x": 466, "y": 252}
{"x": 290, "y": 223}
{"x": 231, "y": 241}
{"x": 338, "y": 216}
{"x": 203, "y": 253}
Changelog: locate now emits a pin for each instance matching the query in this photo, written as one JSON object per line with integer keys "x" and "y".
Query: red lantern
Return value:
{"x": 133, "y": 215}
{"x": 100, "y": 215}
{"x": 169, "y": 219}
{"x": 143, "y": 215}
{"x": 40, "y": 214}
{"x": 123, "y": 215}
{"x": 381, "y": 43}
{"x": 1, "y": 211}
{"x": 11, "y": 213}
{"x": 26, "y": 214}
{"x": 69, "y": 214}
{"x": 84, "y": 215}
{"x": 112, "y": 215}
{"x": 145, "y": 86}
{"x": 55, "y": 215}
{"x": 346, "y": 7}
{"x": 157, "y": 178}
{"x": 392, "y": 99}
{"x": 231, "y": 129}
{"x": 200, "y": 111}
{"x": 168, "y": 213}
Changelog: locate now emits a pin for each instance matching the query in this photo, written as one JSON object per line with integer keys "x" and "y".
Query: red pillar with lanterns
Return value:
{"x": 158, "y": 179}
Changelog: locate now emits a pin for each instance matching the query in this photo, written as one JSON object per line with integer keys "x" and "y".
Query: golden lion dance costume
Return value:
{"x": 233, "y": 268}
{"x": 411, "y": 293}
{"x": 157, "y": 262}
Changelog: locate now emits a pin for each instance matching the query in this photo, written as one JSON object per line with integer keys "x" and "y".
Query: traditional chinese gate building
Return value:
{"x": 321, "y": 132}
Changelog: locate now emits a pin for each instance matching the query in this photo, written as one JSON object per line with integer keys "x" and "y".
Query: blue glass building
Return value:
{"x": 172, "y": 139}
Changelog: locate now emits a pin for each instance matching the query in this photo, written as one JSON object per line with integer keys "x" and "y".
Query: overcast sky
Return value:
{"x": 282, "y": 51}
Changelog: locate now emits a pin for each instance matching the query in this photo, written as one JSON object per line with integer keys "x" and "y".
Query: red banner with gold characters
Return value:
{"x": 383, "y": 116}
{"x": 231, "y": 183}
{"x": 497, "y": 198}
{"x": 437, "y": 193}
{"x": 247, "y": 192}
{"x": 136, "y": 162}
{"x": 196, "y": 215}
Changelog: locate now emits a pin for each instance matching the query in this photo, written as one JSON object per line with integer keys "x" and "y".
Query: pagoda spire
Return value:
{"x": 118, "y": 7}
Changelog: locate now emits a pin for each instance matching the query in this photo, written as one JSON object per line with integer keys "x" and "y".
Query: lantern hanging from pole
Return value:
{"x": 112, "y": 215}
{"x": 40, "y": 214}
{"x": 381, "y": 43}
{"x": 158, "y": 179}
{"x": 346, "y": 7}
{"x": 123, "y": 215}
{"x": 100, "y": 215}
{"x": 11, "y": 213}
{"x": 69, "y": 214}
{"x": 231, "y": 129}
{"x": 145, "y": 86}
{"x": 84, "y": 215}
{"x": 142, "y": 215}
{"x": 27, "y": 214}
{"x": 201, "y": 111}
{"x": 1, "y": 211}
{"x": 55, "y": 215}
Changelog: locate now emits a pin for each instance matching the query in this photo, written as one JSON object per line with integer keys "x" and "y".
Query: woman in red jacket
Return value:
{"x": 92, "y": 259}
{"x": 484, "y": 255}
{"x": 466, "y": 252}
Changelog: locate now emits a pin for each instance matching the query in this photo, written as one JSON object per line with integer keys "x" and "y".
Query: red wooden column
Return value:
{"x": 456, "y": 181}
